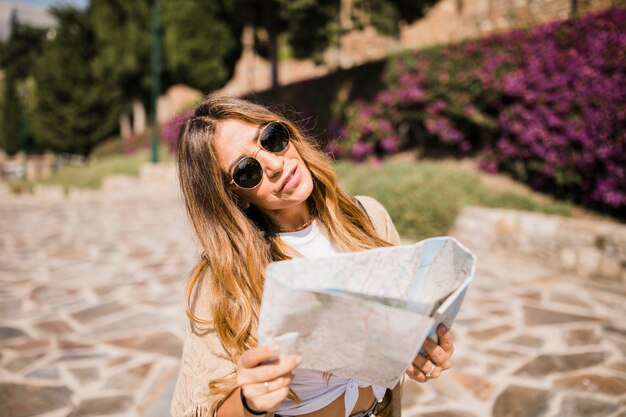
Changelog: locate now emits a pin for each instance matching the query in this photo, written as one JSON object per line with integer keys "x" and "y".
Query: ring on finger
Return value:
{"x": 431, "y": 370}
{"x": 267, "y": 386}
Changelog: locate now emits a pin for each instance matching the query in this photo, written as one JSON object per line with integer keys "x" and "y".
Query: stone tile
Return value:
{"x": 468, "y": 322}
{"x": 546, "y": 364}
{"x": 517, "y": 401}
{"x": 102, "y": 406}
{"x": 158, "y": 402}
{"x": 499, "y": 312}
{"x": 608, "y": 385}
{"x": 586, "y": 407}
{"x": 611, "y": 290}
{"x": 93, "y": 313}
{"x": 530, "y": 295}
{"x": 165, "y": 343}
{"x": 445, "y": 391}
{"x": 80, "y": 357}
{"x": 134, "y": 322}
{"x": 528, "y": 341}
{"x": 118, "y": 360}
{"x": 411, "y": 393}
{"x": 22, "y": 362}
{"x": 54, "y": 327}
{"x": 10, "y": 333}
{"x": 616, "y": 341}
{"x": 105, "y": 290}
{"x": 43, "y": 293}
{"x": 619, "y": 366}
{"x": 10, "y": 307}
{"x": 69, "y": 253}
{"x": 540, "y": 316}
{"x": 67, "y": 344}
{"x": 169, "y": 279}
{"x": 30, "y": 344}
{"x": 568, "y": 298}
{"x": 85, "y": 375}
{"x": 581, "y": 337}
{"x": 139, "y": 253}
{"x": 160, "y": 391}
{"x": 490, "y": 333}
{"x": 447, "y": 413}
{"x": 129, "y": 379}
{"x": 19, "y": 400}
{"x": 506, "y": 354}
{"x": 476, "y": 384}
{"x": 48, "y": 372}
{"x": 620, "y": 331}
{"x": 462, "y": 361}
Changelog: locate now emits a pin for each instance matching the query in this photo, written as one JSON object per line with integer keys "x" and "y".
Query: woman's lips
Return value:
{"x": 292, "y": 180}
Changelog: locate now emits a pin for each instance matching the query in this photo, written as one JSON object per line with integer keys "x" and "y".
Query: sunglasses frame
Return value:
{"x": 260, "y": 146}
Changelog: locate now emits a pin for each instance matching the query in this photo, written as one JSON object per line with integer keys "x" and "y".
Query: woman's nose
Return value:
{"x": 271, "y": 162}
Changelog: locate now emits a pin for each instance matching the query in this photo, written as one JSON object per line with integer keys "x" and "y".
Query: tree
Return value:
{"x": 307, "y": 24}
{"x": 122, "y": 32}
{"x": 20, "y": 50}
{"x": 77, "y": 105}
{"x": 11, "y": 117}
{"x": 386, "y": 15}
{"x": 16, "y": 58}
{"x": 200, "y": 42}
{"x": 311, "y": 26}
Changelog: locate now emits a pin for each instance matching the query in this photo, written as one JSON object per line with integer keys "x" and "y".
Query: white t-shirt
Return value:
{"x": 310, "y": 385}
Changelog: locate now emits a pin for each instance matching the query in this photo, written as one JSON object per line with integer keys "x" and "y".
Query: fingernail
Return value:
{"x": 444, "y": 329}
{"x": 298, "y": 359}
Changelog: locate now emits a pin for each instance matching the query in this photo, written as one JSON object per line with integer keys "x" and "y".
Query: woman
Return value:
{"x": 257, "y": 191}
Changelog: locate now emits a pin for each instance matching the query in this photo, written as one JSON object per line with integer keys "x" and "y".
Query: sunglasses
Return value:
{"x": 248, "y": 173}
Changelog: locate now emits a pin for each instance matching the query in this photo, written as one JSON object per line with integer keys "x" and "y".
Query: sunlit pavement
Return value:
{"x": 92, "y": 322}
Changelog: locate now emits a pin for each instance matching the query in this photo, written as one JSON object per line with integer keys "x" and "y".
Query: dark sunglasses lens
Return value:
{"x": 248, "y": 173}
{"x": 275, "y": 137}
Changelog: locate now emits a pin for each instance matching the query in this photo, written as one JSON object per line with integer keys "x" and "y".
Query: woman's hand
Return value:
{"x": 428, "y": 367}
{"x": 264, "y": 378}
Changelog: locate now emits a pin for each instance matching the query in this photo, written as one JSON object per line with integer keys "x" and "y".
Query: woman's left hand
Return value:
{"x": 428, "y": 367}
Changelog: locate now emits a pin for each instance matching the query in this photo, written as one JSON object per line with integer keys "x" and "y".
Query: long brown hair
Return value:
{"x": 239, "y": 243}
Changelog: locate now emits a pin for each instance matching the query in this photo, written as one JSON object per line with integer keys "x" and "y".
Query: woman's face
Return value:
{"x": 286, "y": 182}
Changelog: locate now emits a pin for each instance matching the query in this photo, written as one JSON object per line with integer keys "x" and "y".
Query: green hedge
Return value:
{"x": 424, "y": 199}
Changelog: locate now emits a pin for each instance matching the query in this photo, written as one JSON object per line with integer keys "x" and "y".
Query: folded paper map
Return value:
{"x": 365, "y": 314}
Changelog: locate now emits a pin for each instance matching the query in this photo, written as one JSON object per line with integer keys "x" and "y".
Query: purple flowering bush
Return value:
{"x": 547, "y": 105}
{"x": 169, "y": 129}
{"x": 562, "y": 125}
{"x": 371, "y": 132}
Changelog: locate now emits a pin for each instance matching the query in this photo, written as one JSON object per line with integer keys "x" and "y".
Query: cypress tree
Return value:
{"x": 77, "y": 106}
{"x": 16, "y": 59}
{"x": 11, "y": 116}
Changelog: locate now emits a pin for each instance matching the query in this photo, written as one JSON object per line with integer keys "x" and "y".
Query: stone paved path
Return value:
{"x": 91, "y": 321}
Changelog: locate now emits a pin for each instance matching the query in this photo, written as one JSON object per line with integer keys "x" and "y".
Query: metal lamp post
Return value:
{"x": 156, "y": 77}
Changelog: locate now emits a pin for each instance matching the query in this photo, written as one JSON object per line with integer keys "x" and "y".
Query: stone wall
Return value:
{"x": 31, "y": 167}
{"x": 39, "y": 167}
{"x": 594, "y": 249}
{"x": 446, "y": 22}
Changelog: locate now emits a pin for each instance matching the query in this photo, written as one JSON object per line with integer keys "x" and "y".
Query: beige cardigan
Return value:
{"x": 204, "y": 359}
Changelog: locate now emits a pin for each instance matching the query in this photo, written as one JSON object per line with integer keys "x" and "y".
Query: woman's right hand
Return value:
{"x": 264, "y": 378}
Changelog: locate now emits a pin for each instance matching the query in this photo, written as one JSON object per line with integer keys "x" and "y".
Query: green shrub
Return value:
{"x": 91, "y": 174}
{"x": 424, "y": 198}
